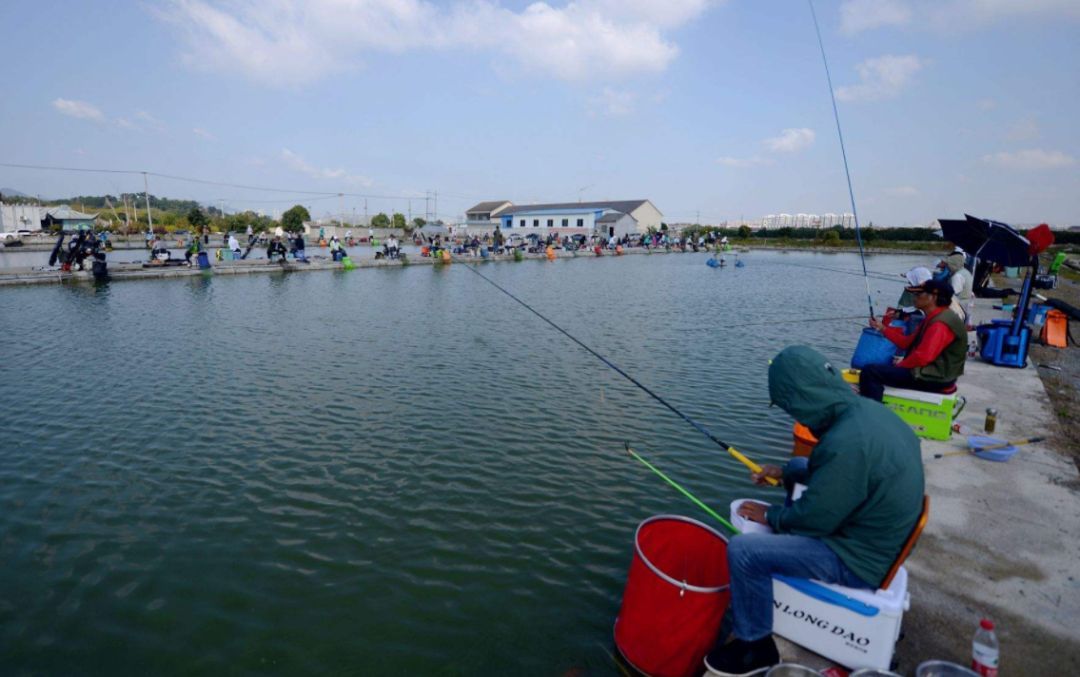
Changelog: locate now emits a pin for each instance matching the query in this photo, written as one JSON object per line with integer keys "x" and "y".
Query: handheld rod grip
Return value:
{"x": 754, "y": 467}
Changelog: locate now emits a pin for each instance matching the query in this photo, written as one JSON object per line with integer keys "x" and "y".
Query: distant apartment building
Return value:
{"x": 808, "y": 220}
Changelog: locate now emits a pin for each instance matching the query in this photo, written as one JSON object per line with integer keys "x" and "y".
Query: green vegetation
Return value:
{"x": 292, "y": 221}
{"x": 197, "y": 219}
{"x": 418, "y": 222}
{"x": 380, "y": 220}
{"x": 398, "y": 221}
{"x": 238, "y": 223}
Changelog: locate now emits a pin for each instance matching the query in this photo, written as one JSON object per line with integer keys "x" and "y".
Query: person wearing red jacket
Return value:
{"x": 936, "y": 352}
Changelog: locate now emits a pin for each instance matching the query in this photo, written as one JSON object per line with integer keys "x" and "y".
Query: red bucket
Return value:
{"x": 675, "y": 597}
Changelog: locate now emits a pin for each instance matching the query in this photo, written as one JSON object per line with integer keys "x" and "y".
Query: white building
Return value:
{"x": 616, "y": 224}
{"x": 20, "y": 217}
{"x": 486, "y": 213}
{"x": 564, "y": 217}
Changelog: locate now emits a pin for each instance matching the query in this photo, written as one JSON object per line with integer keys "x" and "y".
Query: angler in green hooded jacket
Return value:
{"x": 864, "y": 491}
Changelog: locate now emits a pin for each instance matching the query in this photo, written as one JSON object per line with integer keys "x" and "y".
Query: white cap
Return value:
{"x": 916, "y": 276}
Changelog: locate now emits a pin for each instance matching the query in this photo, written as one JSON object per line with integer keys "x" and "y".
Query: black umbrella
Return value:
{"x": 988, "y": 240}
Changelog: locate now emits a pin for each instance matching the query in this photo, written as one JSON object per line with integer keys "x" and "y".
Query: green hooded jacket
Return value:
{"x": 865, "y": 476}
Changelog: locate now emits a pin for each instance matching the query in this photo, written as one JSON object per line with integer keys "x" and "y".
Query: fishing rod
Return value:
{"x": 697, "y": 426}
{"x": 843, "y": 152}
{"x": 681, "y": 490}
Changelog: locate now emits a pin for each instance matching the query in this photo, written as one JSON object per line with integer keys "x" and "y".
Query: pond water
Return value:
{"x": 381, "y": 471}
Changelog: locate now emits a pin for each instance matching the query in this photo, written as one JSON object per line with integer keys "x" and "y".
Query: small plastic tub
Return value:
{"x": 804, "y": 440}
{"x": 791, "y": 670}
{"x": 943, "y": 669}
{"x": 999, "y": 455}
{"x": 744, "y": 525}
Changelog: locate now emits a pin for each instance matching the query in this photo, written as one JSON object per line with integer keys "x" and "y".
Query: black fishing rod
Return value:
{"x": 697, "y": 426}
{"x": 843, "y": 152}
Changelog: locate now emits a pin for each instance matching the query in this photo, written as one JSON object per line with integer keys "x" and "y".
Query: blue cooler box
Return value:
{"x": 997, "y": 347}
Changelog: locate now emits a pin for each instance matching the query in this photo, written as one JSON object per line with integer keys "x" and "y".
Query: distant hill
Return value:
{"x": 12, "y": 192}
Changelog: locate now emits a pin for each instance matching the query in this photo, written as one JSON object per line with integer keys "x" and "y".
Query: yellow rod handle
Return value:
{"x": 754, "y": 467}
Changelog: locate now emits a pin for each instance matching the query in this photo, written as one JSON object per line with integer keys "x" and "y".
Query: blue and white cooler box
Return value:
{"x": 855, "y": 628}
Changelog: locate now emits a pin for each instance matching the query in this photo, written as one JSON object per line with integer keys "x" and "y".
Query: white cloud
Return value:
{"x": 948, "y": 15}
{"x": 791, "y": 140}
{"x": 752, "y": 161}
{"x": 147, "y": 120}
{"x": 881, "y": 78}
{"x": 1023, "y": 130}
{"x": 612, "y": 102}
{"x": 79, "y": 109}
{"x": 299, "y": 164}
{"x": 957, "y": 14}
{"x": 1030, "y": 159}
{"x": 861, "y": 15}
{"x": 986, "y": 104}
{"x": 198, "y": 131}
{"x": 290, "y": 42}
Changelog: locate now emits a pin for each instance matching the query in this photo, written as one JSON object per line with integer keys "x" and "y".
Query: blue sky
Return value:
{"x": 712, "y": 107}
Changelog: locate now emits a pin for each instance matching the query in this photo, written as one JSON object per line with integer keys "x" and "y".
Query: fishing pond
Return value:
{"x": 392, "y": 471}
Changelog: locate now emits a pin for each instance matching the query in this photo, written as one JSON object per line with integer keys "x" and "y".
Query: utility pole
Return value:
{"x": 367, "y": 221}
{"x": 146, "y": 192}
{"x": 341, "y": 210}
{"x": 436, "y": 212}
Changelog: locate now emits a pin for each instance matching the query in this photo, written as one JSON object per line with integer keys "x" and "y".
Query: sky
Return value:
{"x": 713, "y": 109}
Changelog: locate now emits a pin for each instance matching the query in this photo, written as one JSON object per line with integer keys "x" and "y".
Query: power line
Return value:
{"x": 207, "y": 182}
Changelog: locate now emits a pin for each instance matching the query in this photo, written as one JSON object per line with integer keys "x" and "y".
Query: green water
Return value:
{"x": 393, "y": 471}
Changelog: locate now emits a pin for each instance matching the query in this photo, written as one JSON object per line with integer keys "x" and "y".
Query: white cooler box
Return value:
{"x": 855, "y": 628}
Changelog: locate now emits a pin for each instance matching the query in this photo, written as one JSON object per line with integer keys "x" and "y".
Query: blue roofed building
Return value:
{"x": 614, "y": 217}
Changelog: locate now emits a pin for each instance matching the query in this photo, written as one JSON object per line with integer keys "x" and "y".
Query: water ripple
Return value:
{"x": 393, "y": 471}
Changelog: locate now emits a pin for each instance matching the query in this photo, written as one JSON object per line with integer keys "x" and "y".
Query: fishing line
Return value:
{"x": 875, "y": 274}
{"x": 788, "y": 322}
{"x": 843, "y": 152}
{"x": 697, "y": 426}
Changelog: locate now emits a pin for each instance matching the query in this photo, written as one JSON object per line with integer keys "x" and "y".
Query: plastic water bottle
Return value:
{"x": 984, "y": 650}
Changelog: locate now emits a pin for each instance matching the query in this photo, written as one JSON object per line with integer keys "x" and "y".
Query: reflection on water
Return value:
{"x": 383, "y": 471}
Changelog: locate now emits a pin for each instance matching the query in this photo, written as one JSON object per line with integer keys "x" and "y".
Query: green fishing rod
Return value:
{"x": 681, "y": 490}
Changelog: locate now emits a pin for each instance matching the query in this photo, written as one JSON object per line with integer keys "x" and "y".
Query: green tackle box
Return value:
{"x": 930, "y": 415}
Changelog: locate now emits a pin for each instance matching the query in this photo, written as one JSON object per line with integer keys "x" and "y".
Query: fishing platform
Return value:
{"x": 142, "y": 271}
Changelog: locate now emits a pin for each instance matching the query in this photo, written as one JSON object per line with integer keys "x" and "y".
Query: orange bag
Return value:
{"x": 1056, "y": 330}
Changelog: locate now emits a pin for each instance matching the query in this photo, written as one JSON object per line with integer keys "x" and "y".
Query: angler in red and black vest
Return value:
{"x": 935, "y": 352}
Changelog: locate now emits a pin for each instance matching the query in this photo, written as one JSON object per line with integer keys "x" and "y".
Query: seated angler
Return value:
{"x": 864, "y": 491}
{"x": 936, "y": 352}
{"x": 276, "y": 250}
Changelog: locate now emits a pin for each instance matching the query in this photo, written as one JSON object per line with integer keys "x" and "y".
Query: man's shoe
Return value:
{"x": 739, "y": 659}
